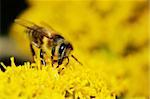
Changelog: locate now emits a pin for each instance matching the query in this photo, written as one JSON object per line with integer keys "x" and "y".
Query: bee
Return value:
{"x": 47, "y": 39}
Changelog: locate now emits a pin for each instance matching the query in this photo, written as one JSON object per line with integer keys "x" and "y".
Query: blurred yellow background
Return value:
{"x": 110, "y": 38}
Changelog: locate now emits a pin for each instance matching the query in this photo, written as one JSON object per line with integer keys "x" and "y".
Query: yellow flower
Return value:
{"x": 109, "y": 37}
{"x": 30, "y": 81}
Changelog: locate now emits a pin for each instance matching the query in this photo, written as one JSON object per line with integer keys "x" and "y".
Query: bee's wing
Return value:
{"x": 49, "y": 27}
{"x": 25, "y": 23}
{"x": 29, "y": 25}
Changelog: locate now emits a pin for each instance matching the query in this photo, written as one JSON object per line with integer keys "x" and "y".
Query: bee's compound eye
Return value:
{"x": 61, "y": 48}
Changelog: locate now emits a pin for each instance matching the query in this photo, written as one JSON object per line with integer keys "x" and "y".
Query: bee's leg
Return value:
{"x": 59, "y": 61}
{"x": 52, "y": 52}
{"x": 33, "y": 52}
{"x": 42, "y": 57}
{"x": 61, "y": 70}
{"x": 52, "y": 61}
{"x": 67, "y": 61}
{"x": 65, "y": 65}
{"x": 57, "y": 66}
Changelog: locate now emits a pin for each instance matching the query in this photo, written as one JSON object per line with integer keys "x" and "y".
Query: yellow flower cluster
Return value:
{"x": 43, "y": 82}
{"x": 109, "y": 37}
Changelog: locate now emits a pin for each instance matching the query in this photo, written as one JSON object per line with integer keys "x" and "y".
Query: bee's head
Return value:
{"x": 69, "y": 47}
{"x": 64, "y": 51}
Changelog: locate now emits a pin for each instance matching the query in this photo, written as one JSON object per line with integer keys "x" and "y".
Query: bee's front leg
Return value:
{"x": 67, "y": 61}
{"x": 59, "y": 61}
{"x": 65, "y": 65}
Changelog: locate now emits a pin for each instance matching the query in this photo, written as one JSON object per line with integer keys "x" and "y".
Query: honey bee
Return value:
{"x": 47, "y": 39}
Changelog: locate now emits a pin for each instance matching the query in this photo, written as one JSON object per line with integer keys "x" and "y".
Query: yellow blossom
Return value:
{"x": 109, "y": 37}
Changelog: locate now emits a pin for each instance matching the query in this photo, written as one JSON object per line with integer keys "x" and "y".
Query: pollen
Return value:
{"x": 33, "y": 80}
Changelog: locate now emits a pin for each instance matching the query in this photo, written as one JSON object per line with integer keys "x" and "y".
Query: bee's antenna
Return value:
{"x": 76, "y": 59}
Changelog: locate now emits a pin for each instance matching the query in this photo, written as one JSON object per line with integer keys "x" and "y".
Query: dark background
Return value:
{"x": 9, "y": 10}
